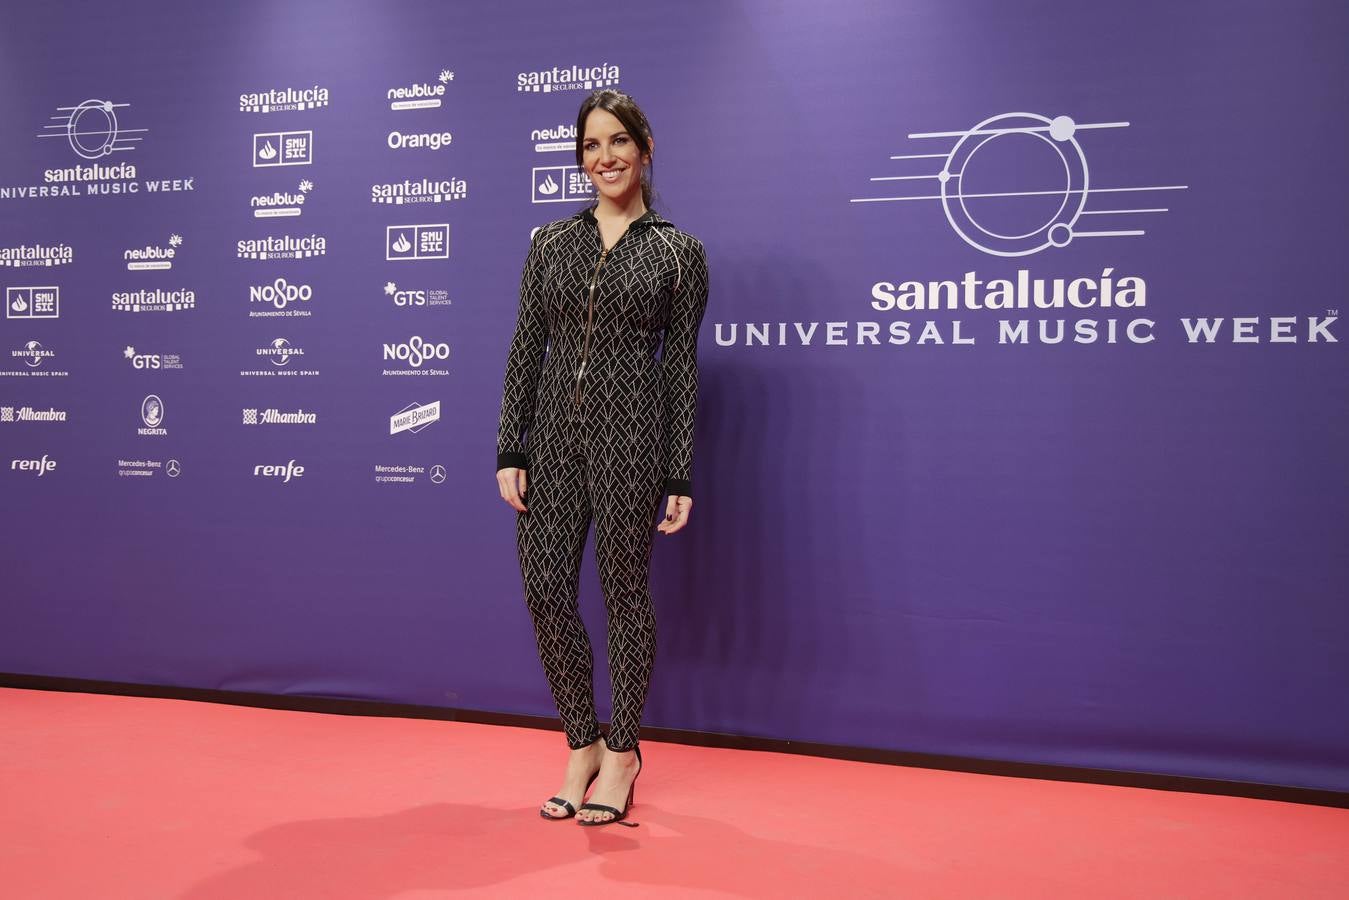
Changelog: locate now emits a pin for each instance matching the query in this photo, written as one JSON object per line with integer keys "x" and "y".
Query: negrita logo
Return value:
{"x": 152, "y": 417}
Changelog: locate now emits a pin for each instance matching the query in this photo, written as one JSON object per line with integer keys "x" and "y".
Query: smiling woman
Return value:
{"x": 597, "y": 423}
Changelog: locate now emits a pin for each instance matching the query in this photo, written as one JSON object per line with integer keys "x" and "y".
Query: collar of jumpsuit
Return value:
{"x": 648, "y": 219}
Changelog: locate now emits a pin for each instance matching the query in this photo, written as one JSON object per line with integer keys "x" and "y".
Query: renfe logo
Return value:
{"x": 285, "y": 473}
{"x": 40, "y": 466}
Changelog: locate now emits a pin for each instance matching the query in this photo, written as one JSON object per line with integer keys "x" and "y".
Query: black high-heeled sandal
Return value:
{"x": 558, "y": 801}
{"x": 618, "y": 816}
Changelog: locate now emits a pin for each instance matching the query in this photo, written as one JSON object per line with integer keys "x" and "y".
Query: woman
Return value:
{"x": 595, "y": 424}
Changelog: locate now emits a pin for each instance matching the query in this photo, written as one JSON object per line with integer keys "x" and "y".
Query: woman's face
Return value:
{"x": 611, "y": 157}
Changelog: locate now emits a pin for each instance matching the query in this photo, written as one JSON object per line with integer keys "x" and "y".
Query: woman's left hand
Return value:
{"x": 676, "y": 514}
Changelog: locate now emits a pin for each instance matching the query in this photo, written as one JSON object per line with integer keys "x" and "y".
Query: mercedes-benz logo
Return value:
{"x": 437, "y": 474}
{"x": 174, "y": 468}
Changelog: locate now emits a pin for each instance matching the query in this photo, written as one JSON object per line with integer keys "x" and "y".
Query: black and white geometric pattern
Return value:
{"x": 599, "y": 406}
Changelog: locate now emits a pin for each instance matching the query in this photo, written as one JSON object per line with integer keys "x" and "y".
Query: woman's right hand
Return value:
{"x": 511, "y": 483}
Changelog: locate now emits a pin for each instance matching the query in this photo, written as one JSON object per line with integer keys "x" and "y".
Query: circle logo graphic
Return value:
{"x": 281, "y": 357}
{"x": 173, "y": 468}
{"x": 1015, "y": 219}
{"x": 437, "y": 474}
{"x": 152, "y": 411}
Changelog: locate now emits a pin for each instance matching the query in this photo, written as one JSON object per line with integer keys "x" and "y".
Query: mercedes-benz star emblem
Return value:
{"x": 174, "y": 468}
{"x": 437, "y": 474}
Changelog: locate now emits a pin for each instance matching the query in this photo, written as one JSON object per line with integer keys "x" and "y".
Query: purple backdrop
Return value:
{"x": 1124, "y": 554}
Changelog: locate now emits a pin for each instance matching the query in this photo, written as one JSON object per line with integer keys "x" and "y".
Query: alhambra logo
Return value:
{"x": 1018, "y": 183}
{"x": 420, "y": 95}
{"x": 569, "y": 78}
{"x": 423, "y": 191}
{"x": 284, "y": 99}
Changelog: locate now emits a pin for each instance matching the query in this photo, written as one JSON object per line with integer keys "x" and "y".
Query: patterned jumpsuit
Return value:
{"x": 604, "y": 426}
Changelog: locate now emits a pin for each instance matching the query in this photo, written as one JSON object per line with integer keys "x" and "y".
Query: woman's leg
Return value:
{"x": 551, "y": 537}
{"x": 625, "y": 497}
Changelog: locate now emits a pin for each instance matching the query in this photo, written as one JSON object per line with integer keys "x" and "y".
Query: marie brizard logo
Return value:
{"x": 92, "y": 129}
{"x": 1018, "y": 183}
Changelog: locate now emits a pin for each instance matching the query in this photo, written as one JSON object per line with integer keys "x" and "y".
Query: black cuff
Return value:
{"x": 512, "y": 461}
{"x": 678, "y": 487}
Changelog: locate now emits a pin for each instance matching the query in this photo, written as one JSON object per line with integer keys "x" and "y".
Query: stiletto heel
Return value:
{"x": 558, "y": 801}
{"x": 617, "y": 815}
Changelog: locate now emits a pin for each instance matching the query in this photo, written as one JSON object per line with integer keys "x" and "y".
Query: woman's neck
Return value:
{"x": 620, "y": 211}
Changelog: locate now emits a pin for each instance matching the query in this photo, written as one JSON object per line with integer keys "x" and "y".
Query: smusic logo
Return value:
{"x": 413, "y": 242}
{"x": 33, "y": 302}
{"x": 283, "y": 148}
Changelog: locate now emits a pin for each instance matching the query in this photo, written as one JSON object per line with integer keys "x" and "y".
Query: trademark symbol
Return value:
{"x": 1332, "y": 312}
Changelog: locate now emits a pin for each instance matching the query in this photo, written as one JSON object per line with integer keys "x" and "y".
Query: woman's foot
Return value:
{"x": 611, "y": 788}
{"x": 581, "y": 767}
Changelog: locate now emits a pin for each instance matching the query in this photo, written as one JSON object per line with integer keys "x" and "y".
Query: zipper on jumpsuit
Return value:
{"x": 590, "y": 309}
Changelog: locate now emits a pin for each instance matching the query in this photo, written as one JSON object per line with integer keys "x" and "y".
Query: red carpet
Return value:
{"x": 116, "y": 797}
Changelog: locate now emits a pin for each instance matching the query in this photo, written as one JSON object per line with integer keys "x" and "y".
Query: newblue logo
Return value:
{"x": 420, "y": 96}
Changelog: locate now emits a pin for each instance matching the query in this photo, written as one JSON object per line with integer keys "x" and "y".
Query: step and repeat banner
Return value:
{"x": 1022, "y": 430}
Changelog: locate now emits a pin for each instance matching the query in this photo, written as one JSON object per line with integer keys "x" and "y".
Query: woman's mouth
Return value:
{"x": 612, "y": 175}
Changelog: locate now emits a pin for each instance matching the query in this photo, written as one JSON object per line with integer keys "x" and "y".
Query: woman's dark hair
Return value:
{"x": 626, "y": 110}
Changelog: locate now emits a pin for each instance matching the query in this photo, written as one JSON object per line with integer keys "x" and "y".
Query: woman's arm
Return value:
{"x": 524, "y": 363}
{"x": 679, "y": 358}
